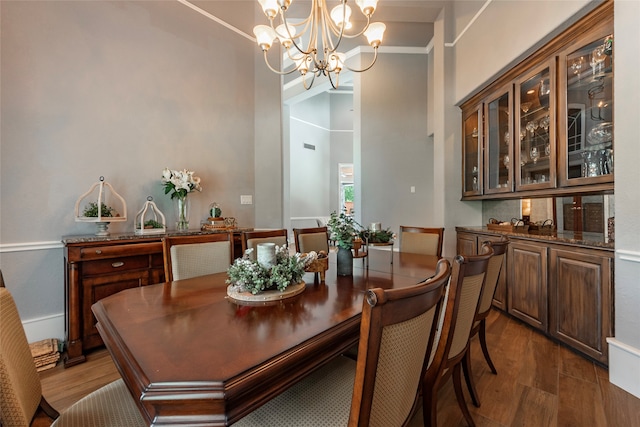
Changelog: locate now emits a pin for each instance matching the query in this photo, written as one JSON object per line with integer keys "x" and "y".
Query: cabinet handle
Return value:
{"x": 117, "y": 264}
{"x": 98, "y": 251}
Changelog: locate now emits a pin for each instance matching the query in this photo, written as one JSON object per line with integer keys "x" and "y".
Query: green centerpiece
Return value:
{"x": 247, "y": 275}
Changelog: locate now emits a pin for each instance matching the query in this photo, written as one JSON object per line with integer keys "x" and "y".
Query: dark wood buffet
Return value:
{"x": 561, "y": 285}
{"x": 96, "y": 267}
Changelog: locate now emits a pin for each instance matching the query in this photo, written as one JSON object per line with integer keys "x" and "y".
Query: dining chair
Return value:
{"x": 467, "y": 279}
{"x": 421, "y": 240}
{"x": 196, "y": 255}
{"x": 311, "y": 239}
{"x": 484, "y": 308}
{"x": 21, "y": 391}
{"x": 380, "y": 389}
{"x": 251, "y": 239}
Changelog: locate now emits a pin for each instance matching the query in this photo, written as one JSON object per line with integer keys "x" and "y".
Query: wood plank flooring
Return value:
{"x": 539, "y": 384}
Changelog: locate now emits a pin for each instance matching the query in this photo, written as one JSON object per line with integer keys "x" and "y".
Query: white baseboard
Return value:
{"x": 45, "y": 327}
{"x": 624, "y": 366}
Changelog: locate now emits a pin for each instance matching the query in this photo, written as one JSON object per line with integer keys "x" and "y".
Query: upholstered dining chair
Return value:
{"x": 311, "y": 239}
{"x": 467, "y": 279}
{"x": 196, "y": 255}
{"x": 21, "y": 390}
{"x": 251, "y": 239}
{"x": 484, "y": 308}
{"x": 380, "y": 389}
{"x": 421, "y": 240}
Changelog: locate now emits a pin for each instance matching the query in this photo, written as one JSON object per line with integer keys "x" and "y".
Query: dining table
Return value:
{"x": 191, "y": 355}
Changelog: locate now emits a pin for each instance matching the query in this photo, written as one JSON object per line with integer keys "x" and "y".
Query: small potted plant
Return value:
{"x": 343, "y": 229}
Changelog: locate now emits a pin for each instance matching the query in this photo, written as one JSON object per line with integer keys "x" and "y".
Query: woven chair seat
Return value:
{"x": 308, "y": 403}
{"x": 111, "y": 405}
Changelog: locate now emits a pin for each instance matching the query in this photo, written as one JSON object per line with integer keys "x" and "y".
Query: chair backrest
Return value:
{"x": 467, "y": 279}
{"x": 311, "y": 239}
{"x": 396, "y": 334}
{"x": 196, "y": 255}
{"x": 493, "y": 275}
{"x": 421, "y": 240}
{"x": 251, "y": 239}
{"x": 20, "y": 388}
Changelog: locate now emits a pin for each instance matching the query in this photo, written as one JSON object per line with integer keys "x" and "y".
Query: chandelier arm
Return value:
{"x": 304, "y": 81}
{"x": 375, "y": 56}
{"x": 282, "y": 73}
{"x": 335, "y": 86}
{"x": 329, "y": 27}
{"x": 307, "y": 21}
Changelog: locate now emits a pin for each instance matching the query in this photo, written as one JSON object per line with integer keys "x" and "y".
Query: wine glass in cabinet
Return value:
{"x": 535, "y": 126}
{"x": 499, "y": 142}
{"x": 472, "y": 152}
{"x": 586, "y": 110}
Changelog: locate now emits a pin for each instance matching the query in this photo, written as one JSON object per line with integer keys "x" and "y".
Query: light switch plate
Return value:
{"x": 246, "y": 200}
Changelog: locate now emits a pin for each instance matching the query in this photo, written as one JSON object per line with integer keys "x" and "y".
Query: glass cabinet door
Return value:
{"x": 535, "y": 129}
{"x": 499, "y": 143}
{"x": 471, "y": 152}
{"x": 586, "y": 128}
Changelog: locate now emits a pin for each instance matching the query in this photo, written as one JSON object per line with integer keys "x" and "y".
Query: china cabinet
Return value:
{"x": 499, "y": 142}
{"x": 586, "y": 125}
{"x": 547, "y": 127}
{"x": 472, "y": 160}
{"x": 535, "y": 129}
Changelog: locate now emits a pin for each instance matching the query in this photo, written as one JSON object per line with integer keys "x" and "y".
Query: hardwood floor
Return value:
{"x": 539, "y": 384}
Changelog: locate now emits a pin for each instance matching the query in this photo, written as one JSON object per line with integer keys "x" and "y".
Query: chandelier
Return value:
{"x": 322, "y": 31}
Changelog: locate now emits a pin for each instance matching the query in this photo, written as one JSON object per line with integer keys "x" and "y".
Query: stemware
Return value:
{"x": 597, "y": 58}
{"x": 534, "y": 154}
{"x": 532, "y": 126}
{"x": 577, "y": 65}
{"x": 544, "y": 123}
{"x": 505, "y": 161}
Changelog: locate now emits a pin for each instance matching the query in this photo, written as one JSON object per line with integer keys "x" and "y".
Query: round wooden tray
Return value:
{"x": 274, "y": 295}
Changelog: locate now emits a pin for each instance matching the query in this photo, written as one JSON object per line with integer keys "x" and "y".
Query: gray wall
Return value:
{"x": 120, "y": 89}
{"x": 310, "y": 123}
{"x": 395, "y": 152}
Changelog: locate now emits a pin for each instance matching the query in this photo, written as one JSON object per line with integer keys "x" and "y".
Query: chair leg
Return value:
{"x": 468, "y": 377}
{"x": 48, "y": 409}
{"x": 457, "y": 386}
{"x": 482, "y": 336}
{"x": 430, "y": 405}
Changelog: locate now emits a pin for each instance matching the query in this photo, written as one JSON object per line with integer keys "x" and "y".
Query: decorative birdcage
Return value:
{"x": 101, "y": 205}
{"x": 149, "y": 219}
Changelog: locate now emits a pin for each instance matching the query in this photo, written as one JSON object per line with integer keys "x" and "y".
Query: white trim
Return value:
{"x": 45, "y": 327}
{"x": 216, "y": 19}
{"x": 31, "y": 246}
{"x": 464, "y": 30}
{"x": 624, "y": 366}
{"x": 632, "y": 256}
{"x": 320, "y": 127}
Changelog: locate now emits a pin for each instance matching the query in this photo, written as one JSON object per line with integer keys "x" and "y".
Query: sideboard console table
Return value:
{"x": 99, "y": 266}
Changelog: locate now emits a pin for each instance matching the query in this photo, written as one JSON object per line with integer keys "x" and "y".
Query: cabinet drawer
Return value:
{"x": 115, "y": 265}
{"x": 101, "y": 252}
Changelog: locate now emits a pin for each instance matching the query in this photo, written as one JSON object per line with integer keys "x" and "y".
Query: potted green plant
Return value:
{"x": 343, "y": 228}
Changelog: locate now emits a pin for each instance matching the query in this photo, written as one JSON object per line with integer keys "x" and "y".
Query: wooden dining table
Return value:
{"x": 190, "y": 355}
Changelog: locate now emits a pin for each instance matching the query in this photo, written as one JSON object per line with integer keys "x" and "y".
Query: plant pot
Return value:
{"x": 345, "y": 262}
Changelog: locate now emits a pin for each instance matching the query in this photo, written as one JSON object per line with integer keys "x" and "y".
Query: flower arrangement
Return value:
{"x": 343, "y": 228}
{"x": 249, "y": 276}
{"x": 180, "y": 183}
